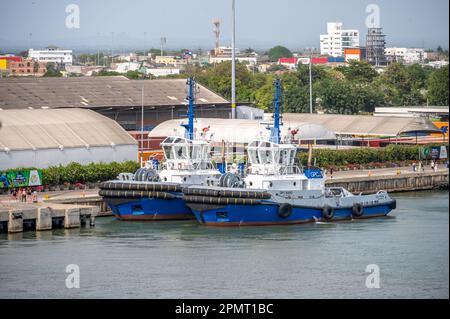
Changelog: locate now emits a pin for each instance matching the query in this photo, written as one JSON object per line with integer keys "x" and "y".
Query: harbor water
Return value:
{"x": 185, "y": 260}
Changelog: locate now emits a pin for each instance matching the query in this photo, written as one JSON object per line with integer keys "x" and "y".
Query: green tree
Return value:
{"x": 52, "y": 70}
{"x": 276, "y": 68}
{"x": 133, "y": 75}
{"x": 279, "y": 52}
{"x": 338, "y": 97}
{"x": 438, "y": 87}
{"x": 418, "y": 76}
{"x": 399, "y": 86}
{"x": 360, "y": 71}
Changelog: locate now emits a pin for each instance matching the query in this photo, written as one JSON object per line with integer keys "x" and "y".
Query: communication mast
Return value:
{"x": 163, "y": 42}
{"x": 216, "y": 30}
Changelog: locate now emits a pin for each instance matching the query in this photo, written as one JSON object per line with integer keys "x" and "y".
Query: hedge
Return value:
{"x": 91, "y": 173}
{"x": 392, "y": 153}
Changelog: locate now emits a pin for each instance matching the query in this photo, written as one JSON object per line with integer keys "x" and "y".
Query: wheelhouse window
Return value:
{"x": 266, "y": 156}
{"x": 168, "y": 152}
{"x": 253, "y": 156}
{"x": 181, "y": 152}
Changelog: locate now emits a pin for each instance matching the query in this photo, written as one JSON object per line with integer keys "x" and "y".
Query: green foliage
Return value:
{"x": 359, "y": 71}
{"x": 106, "y": 73}
{"x": 353, "y": 89}
{"x": 52, "y": 70}
{"x": 279, "y": 52}
{"x": 133, "y": 75}
{"x": 400, "y": 86}
{"x": 438, "y": 87}
{"x": 91, "y": 173}
{"x": 391, "y": 153}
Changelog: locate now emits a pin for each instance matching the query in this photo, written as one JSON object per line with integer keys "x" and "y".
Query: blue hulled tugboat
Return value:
{"x": 152, "y": 194}
{"x": 278, "y": 192}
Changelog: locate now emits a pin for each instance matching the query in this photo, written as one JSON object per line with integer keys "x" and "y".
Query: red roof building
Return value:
{"x": 288, "y": 61}
{"x": 11, "y": 58}
{"x": 319, "y": 60}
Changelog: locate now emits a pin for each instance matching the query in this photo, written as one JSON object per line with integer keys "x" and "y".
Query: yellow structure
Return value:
{"x": 3, "y": 64}
{"x": 165, "y": 59}
{"x": 443, "y": 126}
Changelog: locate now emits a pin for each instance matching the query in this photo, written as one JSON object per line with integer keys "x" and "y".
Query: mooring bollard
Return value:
{"x": 92, "y": 221}
{"x": 15, "y": 222}
{"x": 44, "y": 219}
{"x": 72, "y": 218}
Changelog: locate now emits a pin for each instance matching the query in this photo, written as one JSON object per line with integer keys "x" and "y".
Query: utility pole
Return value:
{"x": 310, "y": 86}
{"x": 163, "y": 42}
{"x": 233, "y": 63}
{"x": 142, "y": 123}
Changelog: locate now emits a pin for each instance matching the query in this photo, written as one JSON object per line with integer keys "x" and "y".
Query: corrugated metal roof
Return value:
{"x": 237, "y": 131}
{"x": 363, "y": 125}
{"x": 59, "y": 128}
{"x": 317, "y": 126}
{"x": 94, "y": 92}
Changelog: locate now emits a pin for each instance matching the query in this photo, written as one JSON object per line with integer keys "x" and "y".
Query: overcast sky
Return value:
{"x": 260, "y": 23}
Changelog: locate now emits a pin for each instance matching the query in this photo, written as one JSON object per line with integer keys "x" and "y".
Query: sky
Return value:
{"x": 260, "y": 24}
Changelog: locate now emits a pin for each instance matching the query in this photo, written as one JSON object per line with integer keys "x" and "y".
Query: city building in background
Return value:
{"x": 18, "y": 66}
{"x": 375, "y": 46}
{"x": 52, "y": 54}
{"x": 290, "y": 63}
{"x": 353, "y": 54}
{"x": 338, "y": 39}
{"x": 224, "y": 53}
{"x": 405, "y": 55}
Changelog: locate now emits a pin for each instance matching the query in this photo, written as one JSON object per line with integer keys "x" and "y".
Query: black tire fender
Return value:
{"x": 328, "y": 212}
{"x": 357, "y": 210}
{"x": 285, "y": 210}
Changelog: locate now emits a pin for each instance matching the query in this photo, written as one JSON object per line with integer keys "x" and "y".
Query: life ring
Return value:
{"x": 328, "y": 212}
{"x": 285, "y": 210}
{"x": 357, "y": 210}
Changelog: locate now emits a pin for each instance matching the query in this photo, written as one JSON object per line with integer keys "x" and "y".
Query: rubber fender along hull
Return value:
{"x": 147, "y": 186}
{"x": 135, "y": 194}
{"x": 268, "y": 214}
{"x": 226, "y": 193}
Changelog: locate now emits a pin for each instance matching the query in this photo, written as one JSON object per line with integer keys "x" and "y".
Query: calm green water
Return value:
{"x": 185, "y": 260}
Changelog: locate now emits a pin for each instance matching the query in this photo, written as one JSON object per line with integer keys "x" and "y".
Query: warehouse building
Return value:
{"x": 298, "y": 127}
{"x": 118, "y": 98}
{"x": 48, "y": 137}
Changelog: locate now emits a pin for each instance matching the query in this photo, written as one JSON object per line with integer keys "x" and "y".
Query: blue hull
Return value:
{"x": 146, "y": 209}
{"x": 267, "y": 214}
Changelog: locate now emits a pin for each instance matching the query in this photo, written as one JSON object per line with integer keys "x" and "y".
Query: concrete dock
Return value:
{"x": 17, "y": 217}
{"x": 390, "y": 180}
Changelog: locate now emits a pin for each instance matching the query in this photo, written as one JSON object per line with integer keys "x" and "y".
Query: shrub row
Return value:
{"x": 360, "y": 156}
{"x": 91, "y": 173}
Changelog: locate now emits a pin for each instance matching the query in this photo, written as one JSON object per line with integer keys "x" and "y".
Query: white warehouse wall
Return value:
{"x": 43, "y": 158}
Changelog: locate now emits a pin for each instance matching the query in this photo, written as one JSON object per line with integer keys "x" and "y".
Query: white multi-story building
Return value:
{"x": 51, "y": 54}
{"x": 406, "y": 55}
{"x": 337, "y": 39}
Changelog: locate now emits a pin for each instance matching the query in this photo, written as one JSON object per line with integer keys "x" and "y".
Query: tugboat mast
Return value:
{"x": 191, "y": 110}
{"x": 276, "y": 131}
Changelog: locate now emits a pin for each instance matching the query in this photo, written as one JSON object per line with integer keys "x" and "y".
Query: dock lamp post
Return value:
{"x": 233, "y": 62}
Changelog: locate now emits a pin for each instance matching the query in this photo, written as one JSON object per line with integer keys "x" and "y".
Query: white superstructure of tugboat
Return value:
{"x": 155, "y": 194}
{"x": 277, "y": 191}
